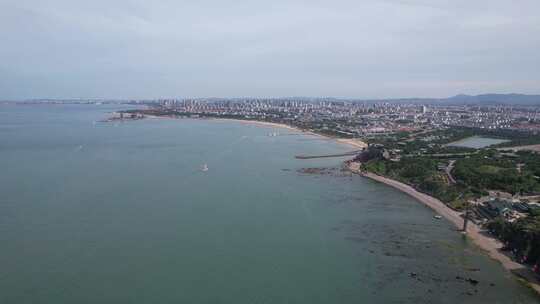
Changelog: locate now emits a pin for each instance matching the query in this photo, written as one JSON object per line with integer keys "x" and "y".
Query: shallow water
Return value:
{"x": 121, "y": 213}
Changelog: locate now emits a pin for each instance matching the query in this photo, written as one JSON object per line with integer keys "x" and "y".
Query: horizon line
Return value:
{"x": 254, "y": 97}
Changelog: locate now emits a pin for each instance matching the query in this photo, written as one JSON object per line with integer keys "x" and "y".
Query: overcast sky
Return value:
{"x": 203, "y": 48}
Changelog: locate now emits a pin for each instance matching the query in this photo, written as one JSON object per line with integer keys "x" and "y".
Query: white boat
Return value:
{"x": 438, "y": 217}
{"x": 204, "y": 168}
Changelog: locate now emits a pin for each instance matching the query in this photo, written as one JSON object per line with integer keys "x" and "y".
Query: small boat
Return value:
{"x": 204, "y": 168}
{"x": 437, "y": 217}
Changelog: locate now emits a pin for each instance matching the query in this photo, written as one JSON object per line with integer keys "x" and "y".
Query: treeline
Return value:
{"x": 490, "y": 171}
{"x": 423, "y": 174}
{"x": 531, "y": 161}
{"x": 522, "y": 237}
{"x": 474, "y": 175}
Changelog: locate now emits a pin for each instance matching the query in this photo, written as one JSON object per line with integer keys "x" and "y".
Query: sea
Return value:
{"x": 121, "y": 212}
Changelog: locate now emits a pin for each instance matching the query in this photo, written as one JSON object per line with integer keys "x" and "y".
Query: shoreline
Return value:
{"x": 351, "y": 142}
{"x": 490, "y": 245}
{"x": 259, "y": 123}
{"x": 355, "y": 143}
{"x": 479, "y": 237}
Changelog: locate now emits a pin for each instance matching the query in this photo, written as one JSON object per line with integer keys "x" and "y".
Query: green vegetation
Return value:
{"x": 531, "y": 162}
{"x": 475, "y": 174}
{"x": 425, "y": 158}
{"x": 475, "y": 171}
{"x": 434, "y": 141}
{"x": 521, "y": 236}
{"x": 423, "y": 174}
{"x": 489, "y": 170}
{"x": 517, "y": 138}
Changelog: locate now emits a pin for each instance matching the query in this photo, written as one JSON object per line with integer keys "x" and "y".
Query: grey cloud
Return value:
{"x": 370, "y": 48}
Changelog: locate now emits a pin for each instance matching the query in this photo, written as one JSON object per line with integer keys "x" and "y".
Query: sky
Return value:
{"x": 210, "y": 48}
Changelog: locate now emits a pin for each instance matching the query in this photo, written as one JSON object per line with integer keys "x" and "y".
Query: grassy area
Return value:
{"x": 489, "y": 169}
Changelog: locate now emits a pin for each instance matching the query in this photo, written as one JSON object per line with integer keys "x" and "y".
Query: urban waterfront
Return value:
{"x": 121, "y": 212}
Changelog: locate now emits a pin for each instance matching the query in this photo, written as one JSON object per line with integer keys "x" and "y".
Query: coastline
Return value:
{"x": 355, "y": 143}
{"x": 490, "y": 245}
{"x": 352, "y": 142}
{"x": 259, "y": 123}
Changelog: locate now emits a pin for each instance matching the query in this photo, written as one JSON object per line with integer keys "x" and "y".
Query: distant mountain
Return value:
{"x": 462, "y": 99}
{"x": 490, "y": 99}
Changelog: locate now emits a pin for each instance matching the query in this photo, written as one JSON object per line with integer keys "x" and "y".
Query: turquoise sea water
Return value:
{"x": 121, "y": 213}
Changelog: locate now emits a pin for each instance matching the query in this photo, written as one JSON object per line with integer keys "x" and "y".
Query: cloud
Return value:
{"x": 142, "y": 49}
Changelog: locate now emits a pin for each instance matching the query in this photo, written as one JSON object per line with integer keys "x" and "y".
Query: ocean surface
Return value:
{"x": 94, "y": 212}
{"x": 477, "y": 142}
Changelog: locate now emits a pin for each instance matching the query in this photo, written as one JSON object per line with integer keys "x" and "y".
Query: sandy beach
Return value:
{"x": 352, "y": 142}
{"x": 488, "y": 244}
{"x": 260, "y": 123}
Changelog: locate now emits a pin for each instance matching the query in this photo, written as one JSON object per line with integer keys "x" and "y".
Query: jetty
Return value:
{"x": 352, "y": 153}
